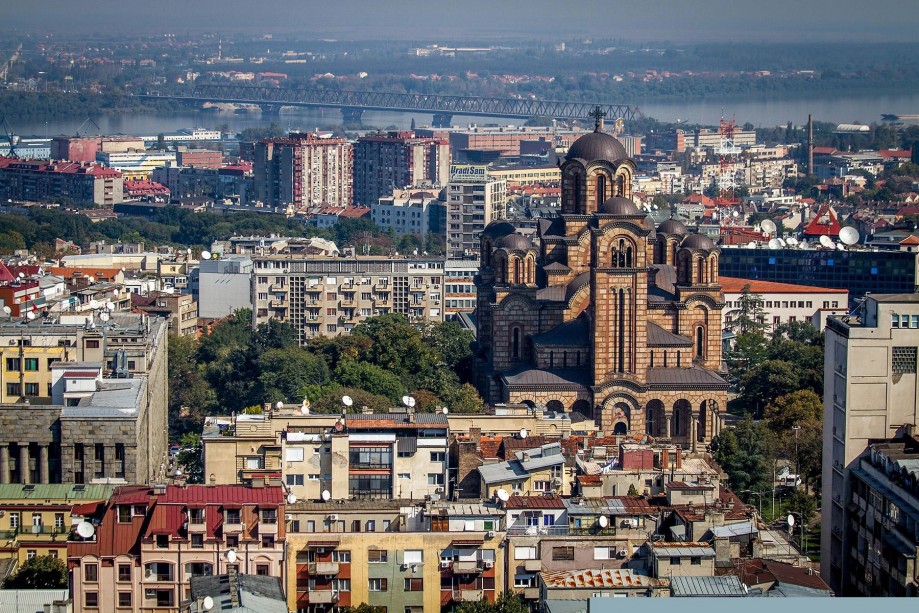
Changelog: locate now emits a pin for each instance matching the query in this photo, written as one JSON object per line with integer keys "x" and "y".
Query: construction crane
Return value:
{"x": 83, "y": 125}
{"x": 8, "y": 136}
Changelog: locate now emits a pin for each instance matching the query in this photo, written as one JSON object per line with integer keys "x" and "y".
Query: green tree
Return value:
{"x": 794, "y": 409}
{"x": 749, "y": 315}
{"x": 633, "y": 491}
{"x": 749, "y": 351}
{"x": 38, "y": 573}
{"x": 370, "y": 378}
{"x": 190, "y": 396}
{"x": 190, "y": 457}
{"x": 745, "y": 453}
{"x": 397, "y": 346}
{"x": 804, "y": 504}
{"x": 286, "y": 374}
{"x": 767, "y": 381}
{"x": 505, "y": 603}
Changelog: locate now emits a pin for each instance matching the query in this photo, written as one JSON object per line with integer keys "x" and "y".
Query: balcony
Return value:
{"x": 531, "y": 593}
{"x": 275, "y": 288}
{"x": 544, "y": 531}
{"x": 324, "y": 568}
{"x": 277, "y": 304}
{"x": 270, "y": 527}
{"x": 467, "y": 595}
{"x": 382, "y": 287}
{"x": 533, "y": 566}
{"x": 234, "y": 528}
{"x": 323, "y": 597}
{"x": 466, "y": 567}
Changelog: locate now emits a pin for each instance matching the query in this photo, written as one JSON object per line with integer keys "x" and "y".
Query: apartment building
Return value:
{"x": 870, "y": 390}
{"x": 532, "y": 471}
{"x": 329, "y": 296}
{"x": 408, "y": 211}
{"x": 303, "y": 170}
{"x": 83, "y": 403}
{"x": 44, "y": 181}
{"x": 405, "y": 555}
{"x": 180, "y": 310}
{"x": 474, "y": 200}
{"x": 36, "y": 518}
{"x": 136, "y": 165}
{"x": 459, "y": 286}
{"x": 395, "y": 160}
{"x": 224, "y": 285}
{"x": 148, "y": 542}
{"x": 783, "y": 303}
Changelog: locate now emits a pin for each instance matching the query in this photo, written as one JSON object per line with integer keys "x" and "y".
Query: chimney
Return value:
{"x": 475, "y": 435}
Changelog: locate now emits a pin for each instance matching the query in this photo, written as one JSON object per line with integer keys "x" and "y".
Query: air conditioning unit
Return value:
{"x": 490, "y": 534}
{"x": 333, "y": 517}
{"x": 489, "y": 564}
{"x": 150, "y": 593}
{"x": 288, "y": 517}
{"x": 444, "y": 564}
{"x": 439, "y": 490}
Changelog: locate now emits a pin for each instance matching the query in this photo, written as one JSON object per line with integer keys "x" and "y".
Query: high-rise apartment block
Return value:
{"x": 474, "y": 199}
{"x": 870, "y": 392}
{"x": 387, "y": 162}
{"x": 409, "y": 211}
{"x": 303, "y": 170}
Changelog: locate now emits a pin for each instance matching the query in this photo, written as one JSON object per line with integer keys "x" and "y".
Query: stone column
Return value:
{"x": 24, "y": 470}
{"x": 668, "y": 418}
{"x": 5, "y": 464}
{"x": 43, "y": 464}
{"x": 694, "y": 430}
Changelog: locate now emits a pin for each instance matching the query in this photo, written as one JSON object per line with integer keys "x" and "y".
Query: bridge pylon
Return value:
{"x": 442, "y": 120}
{"x": 351, "y": 115}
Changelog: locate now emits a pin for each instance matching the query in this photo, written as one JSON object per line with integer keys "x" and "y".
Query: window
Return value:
{"x": 31, "y": 553}
{"x": 341, "y": 585}
{"x": 197, "y": 541}
{"x": 14, "y": 521}
{"x": 414, "y": 556}
{"x": 124, "y": 514}
{"x": 198, "y": 569}
{"x": 253, "y": 463}
{"x": 31, "y": 364}
{"x": 91, "y": 600}
{"x": 378, "y": 585}
{"x": 124, "y": 600}
{"x": 165, "y": 598}
{"x": 404, "y": 476}
{"x": 542, "y": 486}
{"x": 548, "y": 520}
{"x": 59, "y": 521}
{"x": 294, "y": 479}
{"x": 124, "y": 572}
{"x": 12, "y": 363}
{"x": 435, "y": 478}
{"x": 370, "y": 457}
{"x": 438, "y": 456}
{"x": 268, "y": 540}
{"x": 92, "y": 344}
{"x": 413, "y": 584}
{"x": 269, "y": 516}
{"x": 371, "y": 525}
{"x": 13, "y": 389}
{"x": 232, "y": 516}
{"x": 91, "y": 572}
{"x": 695, "y": 561}
{"x": 162, "y": 541}
{"x": 342, "y": 556}
{"x": 377, "y": 556}
{"x": 311, "y": 525}
{"x": 894, "y": 323}
{"x": 232, "y": 540}
{"x": 562, "y": 554}
{"x": 262, "y": 569}
{"x": 604, "y": 553}
{"x": 674, "y": 561}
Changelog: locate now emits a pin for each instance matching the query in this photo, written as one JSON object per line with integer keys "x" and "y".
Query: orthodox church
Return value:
{"x": 609, "y": 316}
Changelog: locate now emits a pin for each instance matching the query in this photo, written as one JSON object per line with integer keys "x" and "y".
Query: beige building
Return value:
{"x": 180, "y": 310}
{"x": 474, "y": 200}
{"x": 870, "y": 390}
{"x": 323, "y": 296}
{"x": 783, "y": 303}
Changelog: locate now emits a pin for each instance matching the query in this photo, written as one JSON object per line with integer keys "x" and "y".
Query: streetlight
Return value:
{"x": 797, "y": 468}
{"x": 760, "y": 495}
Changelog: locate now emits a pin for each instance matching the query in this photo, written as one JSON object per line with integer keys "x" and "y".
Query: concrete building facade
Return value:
{"x": 304, "y": 170}
{"x": 395, "y": 160}
{"x": 473, "y": 201}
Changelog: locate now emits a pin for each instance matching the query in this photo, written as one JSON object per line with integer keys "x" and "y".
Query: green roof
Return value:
{"x": 55, "y": 491}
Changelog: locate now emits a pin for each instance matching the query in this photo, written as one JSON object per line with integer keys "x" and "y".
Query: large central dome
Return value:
{"x": 597, "y": 146}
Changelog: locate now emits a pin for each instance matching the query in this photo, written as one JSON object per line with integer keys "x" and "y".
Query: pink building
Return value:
{"x": 149, "y": 542}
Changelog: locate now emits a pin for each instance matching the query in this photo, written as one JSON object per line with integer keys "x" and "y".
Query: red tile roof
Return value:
{"x": 535, "y": 502}
{"x": 734, "y": 285}
{"x": 912, "y": 239}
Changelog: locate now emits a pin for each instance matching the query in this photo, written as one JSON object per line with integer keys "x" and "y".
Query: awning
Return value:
{"x": 313, "y": 544}
{"x": 467, "y": 541}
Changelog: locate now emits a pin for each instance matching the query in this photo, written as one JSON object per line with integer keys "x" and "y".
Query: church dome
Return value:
{"x": 597, "y": 146}
{"x": 497, "y": 229}
{"x": 619, "y": 206}
{"x": 515, "y": 241}
{"x": 698, "y": 241}
{"x": 672, "y": 226}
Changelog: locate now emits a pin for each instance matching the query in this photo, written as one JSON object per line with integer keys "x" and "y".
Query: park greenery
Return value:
{"x": 38, "y": 573}
{"x": 238, "y": 368}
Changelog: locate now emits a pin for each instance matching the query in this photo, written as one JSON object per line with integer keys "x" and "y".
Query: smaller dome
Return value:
{"x": 671, "y": 227}
{"x": 497, "y": 229}
{"x": 619, "y": 206}
{"x": 698, "y": 241}
{"x": 515, "y": 241}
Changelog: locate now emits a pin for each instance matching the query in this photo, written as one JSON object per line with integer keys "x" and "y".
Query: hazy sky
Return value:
{"x": 639, "y": 20}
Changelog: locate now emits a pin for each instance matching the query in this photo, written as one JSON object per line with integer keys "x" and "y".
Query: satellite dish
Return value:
{"x": 22, "y": 275}
{"x": 85, "y": 529}
{"x": 178, "y": 473}
{"x": 523, "y": 433}
{"x": 774, "y": 243}
{"x": 826, "y": 241}
{"x": 848, "y": 235}
{"x": 279, "y": 405}
{"x": 347, "y": 401}
{"x": 30, "y": 315}
{"x": 7, "y": 310}
{"x": 231, "y": 556}
{"x": 408, "y": 401}
{"x": 208, "y": 603}
{"x": 603, "y": 521}
{"x": 305, "y": 409}
{"x": 735, "y": 214}
{"x": 781, "y": 242}
{"x": 445, "y": 410}
{"x": 840, "y": 247}
{"x": 791, "y": 520}
{"x": 655, "y": 207}
{"x": 751, "y": 245}
{"x": 205, "y": 255}
{"x": 103, "y": 316}
{"x": 291, "y": 498}
{"x": 503, "y": 496}
{"x": 768, "y": 226}
{"x": 792, "y": 241}
{"x": 93, "y": 304}
{"x": 188, "y": 251}
{"x": 110, "y": 305}
{"x": 326, "y": 495}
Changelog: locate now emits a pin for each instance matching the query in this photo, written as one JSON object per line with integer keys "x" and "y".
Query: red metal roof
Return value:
{"x": 735, "y": 285}
{"x": 79, "y": 374}
{"x": 825, "y": 222}
{"x": 535, "y": 502}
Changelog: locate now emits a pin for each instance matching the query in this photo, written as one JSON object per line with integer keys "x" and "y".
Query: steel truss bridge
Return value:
{"x": 443, "y": 108}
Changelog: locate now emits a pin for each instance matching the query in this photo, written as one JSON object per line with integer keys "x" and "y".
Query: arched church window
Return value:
{"x": 601, "y": 190}
{"x": 515, "y": 343}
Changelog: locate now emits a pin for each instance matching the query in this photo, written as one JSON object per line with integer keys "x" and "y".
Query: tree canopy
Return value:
{"x": 38, "y": 573}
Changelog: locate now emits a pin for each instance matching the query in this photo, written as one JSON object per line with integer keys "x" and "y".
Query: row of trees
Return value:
{"x": 237, "y": 368}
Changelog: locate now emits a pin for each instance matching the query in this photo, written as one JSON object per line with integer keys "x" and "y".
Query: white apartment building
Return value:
{"x": 474, "y": 199}
{"x": 324, "y": 296}
{"x": 136, "y": 164}
{"x": 459, "y": 286}
{"x": 783, "y": 303}
{"x": 870, "y": 392}
{"x": 406, "y": 211}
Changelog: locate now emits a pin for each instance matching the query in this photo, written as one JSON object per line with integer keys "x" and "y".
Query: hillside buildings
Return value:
{"x": 396, "y": 160}
{"x": 304, "y": 170}
{"x": 611, "y": 317}
{"x": 870, "y": 392}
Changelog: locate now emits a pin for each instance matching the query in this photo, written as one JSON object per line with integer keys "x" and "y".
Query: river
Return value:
{"x": 759, "y": 112}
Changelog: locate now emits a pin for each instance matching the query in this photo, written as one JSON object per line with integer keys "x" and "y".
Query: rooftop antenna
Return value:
{"x": 768, "y": 226}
